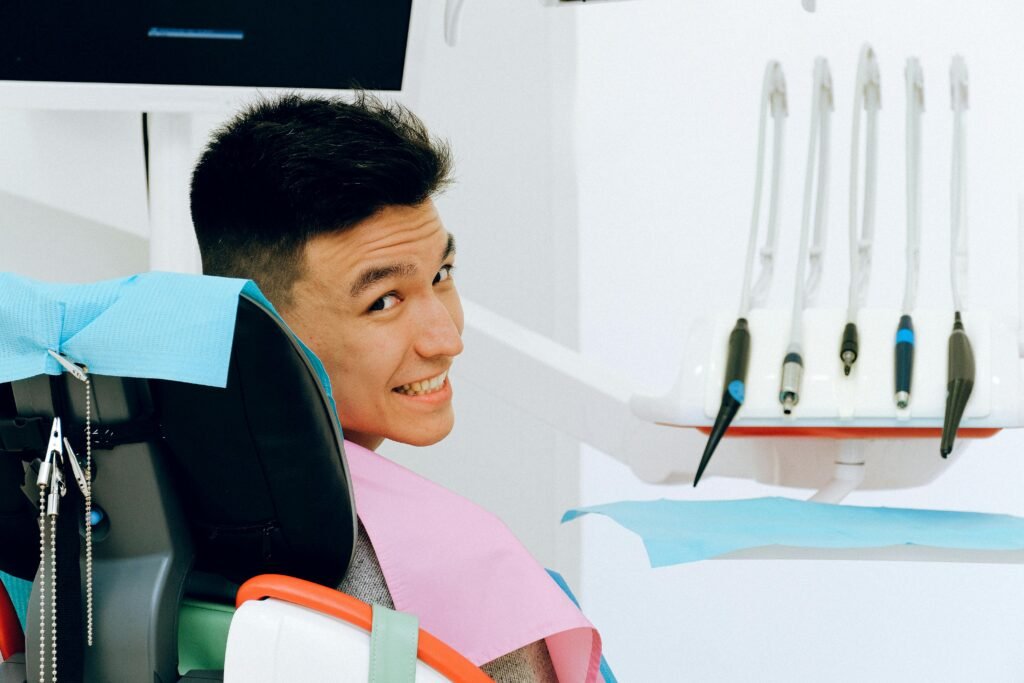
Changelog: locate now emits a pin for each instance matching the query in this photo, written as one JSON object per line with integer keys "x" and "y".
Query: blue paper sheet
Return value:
{"x": 18, "y": 590}
{"x": 154, "y": 325}
{"x": 676, "y": 531}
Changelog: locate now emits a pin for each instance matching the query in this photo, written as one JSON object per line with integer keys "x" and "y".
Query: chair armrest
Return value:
{"x": 431, "y": 651}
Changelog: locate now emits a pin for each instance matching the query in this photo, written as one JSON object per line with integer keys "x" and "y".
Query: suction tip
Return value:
{"x": 726, "y": 413}
{"x": 958, "y": 393}
{"x": 959, "y": 386}
{"x": 902, "y": 399}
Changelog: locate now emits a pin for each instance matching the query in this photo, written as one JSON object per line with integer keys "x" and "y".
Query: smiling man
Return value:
{"x": 327, "y": 205}
{"x": 377, "y": 304}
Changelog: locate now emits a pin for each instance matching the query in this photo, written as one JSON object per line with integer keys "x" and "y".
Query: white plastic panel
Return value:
{"x": 271, "y": 641}
{"x": 867, "y": 394}
{"x": 827, "y": 397}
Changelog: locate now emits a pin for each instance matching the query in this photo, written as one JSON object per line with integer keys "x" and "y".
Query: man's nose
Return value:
{"x": 439, "y": 333}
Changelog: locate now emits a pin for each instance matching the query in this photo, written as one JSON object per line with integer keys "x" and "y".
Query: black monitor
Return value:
{"x": 318, "y": 44}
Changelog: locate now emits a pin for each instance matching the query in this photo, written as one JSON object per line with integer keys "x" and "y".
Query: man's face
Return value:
{"x": 378, "y": 305}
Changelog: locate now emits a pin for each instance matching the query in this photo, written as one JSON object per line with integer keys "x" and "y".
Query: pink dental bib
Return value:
{"x": 462, "y": 572}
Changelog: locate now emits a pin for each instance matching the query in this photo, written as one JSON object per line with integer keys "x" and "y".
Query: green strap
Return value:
{"x": 393, "y": 642}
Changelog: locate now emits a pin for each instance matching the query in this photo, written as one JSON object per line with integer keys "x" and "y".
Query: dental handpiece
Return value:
{"x": 959, "y": 385}
{"x": 848, "y": 349}
{"x": 904, "y": 361}
{"x": 733, "y": 390}
{"x": 792, "y": 373}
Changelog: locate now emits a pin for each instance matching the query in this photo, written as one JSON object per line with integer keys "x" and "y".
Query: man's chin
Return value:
{"x": 425, "y": 437}
{"x": 420, "y": 440}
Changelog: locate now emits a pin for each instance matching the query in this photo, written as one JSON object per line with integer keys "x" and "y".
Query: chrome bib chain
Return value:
{"x": 52, "y": 487}
{"x": 42, "y": 580}
{"x": 88, "y": 510}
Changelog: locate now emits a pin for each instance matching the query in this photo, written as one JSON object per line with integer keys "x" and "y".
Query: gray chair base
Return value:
{"x": 13, "y": 670}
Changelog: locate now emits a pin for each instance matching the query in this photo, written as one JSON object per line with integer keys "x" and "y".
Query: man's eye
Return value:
{"x": 444, "y": 274}
{"x": 384, "y": 303}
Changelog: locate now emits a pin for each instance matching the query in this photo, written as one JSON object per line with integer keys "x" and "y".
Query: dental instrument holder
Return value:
{"x": 863, "y": 400}
{"x": 839, "y": 408}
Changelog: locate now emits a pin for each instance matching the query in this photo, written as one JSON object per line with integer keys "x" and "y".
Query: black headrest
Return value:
{"x": 19, "y": 552}
{"x": 258, "y": 466}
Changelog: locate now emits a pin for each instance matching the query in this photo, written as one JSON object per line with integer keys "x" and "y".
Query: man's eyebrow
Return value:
{"x": 449, "y": 248}
{"x": 372, "y": 276}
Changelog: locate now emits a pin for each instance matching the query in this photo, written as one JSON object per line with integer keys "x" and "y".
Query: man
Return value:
{"x": 327, "y": 206}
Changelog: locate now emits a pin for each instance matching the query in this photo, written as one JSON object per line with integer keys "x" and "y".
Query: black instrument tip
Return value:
{"x": 726, "y": 413}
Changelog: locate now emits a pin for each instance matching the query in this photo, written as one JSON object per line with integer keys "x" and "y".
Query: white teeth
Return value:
{"x": 427, "y": 386}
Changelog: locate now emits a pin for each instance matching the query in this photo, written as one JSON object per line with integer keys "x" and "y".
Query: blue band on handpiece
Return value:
{"x": 904, "y": 336}
{"x": 736, "y": 390}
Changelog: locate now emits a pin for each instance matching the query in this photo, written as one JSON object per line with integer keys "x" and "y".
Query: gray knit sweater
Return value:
{"x": 365, "y": 581}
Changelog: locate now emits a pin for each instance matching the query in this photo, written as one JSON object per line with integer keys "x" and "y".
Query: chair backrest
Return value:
{"x": 259, "y": 465}
{"x": 236, "y": 481}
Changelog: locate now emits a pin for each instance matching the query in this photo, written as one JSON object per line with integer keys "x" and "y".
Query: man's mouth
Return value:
{"x": 424, "y": 387}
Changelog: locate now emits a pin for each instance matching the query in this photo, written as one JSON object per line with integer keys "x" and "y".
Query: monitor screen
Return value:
{"x": 320, "y": 44}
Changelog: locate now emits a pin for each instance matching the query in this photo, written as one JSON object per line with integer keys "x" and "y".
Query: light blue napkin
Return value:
{"x": 18, "y": 591}
{"x": 677, "y": 531}
{"x": 154, "y": 325}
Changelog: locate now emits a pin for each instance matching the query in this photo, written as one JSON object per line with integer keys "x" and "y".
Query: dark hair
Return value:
{"x": 288, "y": 169}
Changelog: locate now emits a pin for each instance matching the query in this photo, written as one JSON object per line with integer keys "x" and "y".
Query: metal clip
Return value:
{"x": 53, "y": 452}
{"x": 76, "y": 469}
{"x": 57, "y": 491}
{"x": 77, "y": 371}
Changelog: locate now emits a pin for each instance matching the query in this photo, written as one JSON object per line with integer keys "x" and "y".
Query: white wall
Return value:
{"x": 47, "y": 243}
{"x": 89, "y": 163}
{"x": 667, "y": 109}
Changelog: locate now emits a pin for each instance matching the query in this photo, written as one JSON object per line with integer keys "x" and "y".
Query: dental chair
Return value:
{"x": 197, "y": 490}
